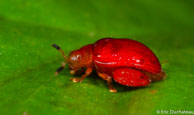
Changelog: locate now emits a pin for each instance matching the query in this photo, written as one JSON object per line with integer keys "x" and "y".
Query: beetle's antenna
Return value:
{"x": 63, "y": 63}
{"x": 60, "y": 68}
{"x": 59, "y": 49}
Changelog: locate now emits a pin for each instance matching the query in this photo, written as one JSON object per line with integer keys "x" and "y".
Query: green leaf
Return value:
{"x": 28, "y": 62}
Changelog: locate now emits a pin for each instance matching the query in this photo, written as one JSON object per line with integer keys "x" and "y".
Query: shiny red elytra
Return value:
{"x": 126, "y": 61}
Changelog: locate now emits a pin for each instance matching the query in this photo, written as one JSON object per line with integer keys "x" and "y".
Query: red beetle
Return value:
{"x": 127, "y": 61}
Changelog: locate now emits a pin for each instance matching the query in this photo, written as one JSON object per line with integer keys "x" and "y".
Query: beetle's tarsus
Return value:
{"x": 75, "y": 80}
{"x": 112, "y": 90}
{"x": 72, "y": 72}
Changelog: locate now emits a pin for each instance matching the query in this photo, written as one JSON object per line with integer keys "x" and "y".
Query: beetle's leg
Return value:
{"x": 60, "y": 68}
{"x": 109, "y": 81}
{"x": 77, "y": 71}
{"x": 131, "y": 77}
{"x": 87, "y": 73}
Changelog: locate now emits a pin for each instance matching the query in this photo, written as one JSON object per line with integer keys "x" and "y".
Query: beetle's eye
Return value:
{"x": 74, "y": 58}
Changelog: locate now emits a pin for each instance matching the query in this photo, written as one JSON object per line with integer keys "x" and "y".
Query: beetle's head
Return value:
{"x": 78, "y": 59}
{"x": 74, "y": 60}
